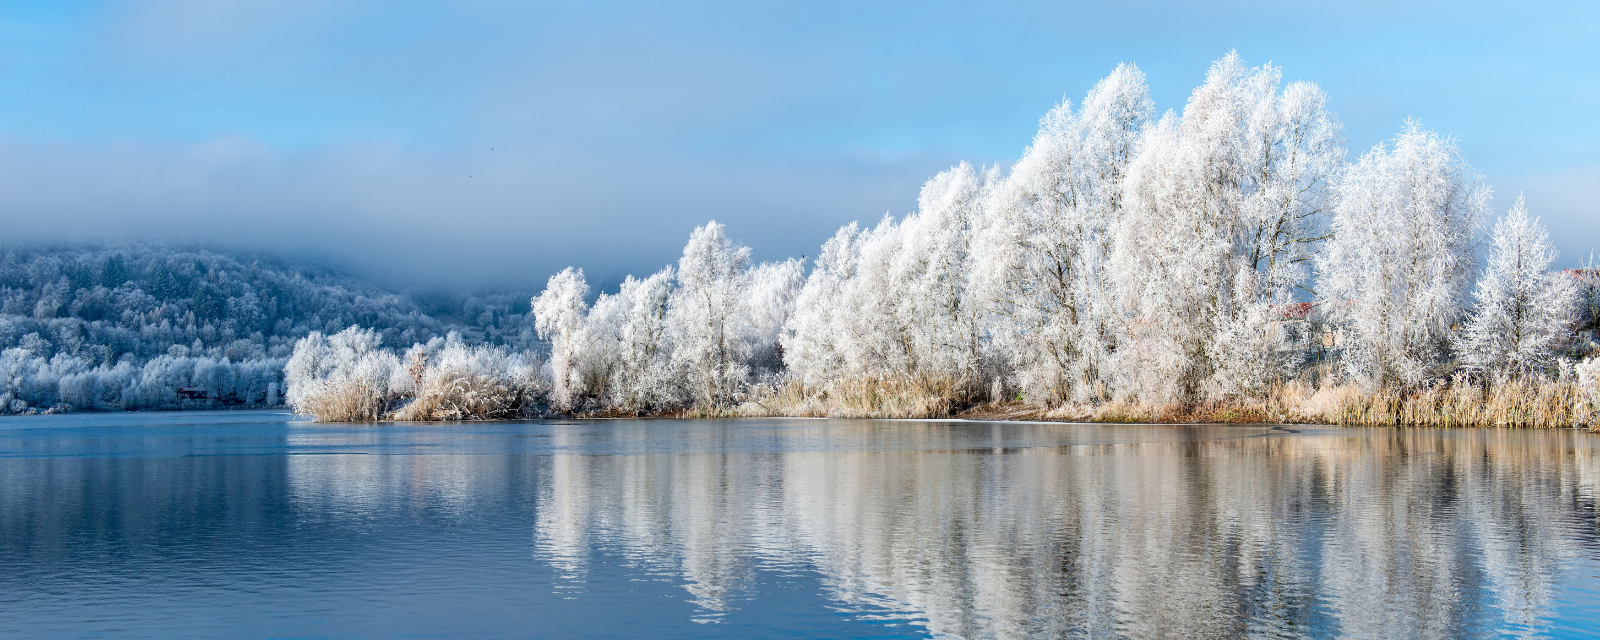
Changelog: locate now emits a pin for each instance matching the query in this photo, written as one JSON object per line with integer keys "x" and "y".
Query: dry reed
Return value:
{"x": 447, "y": 394}
{"x": 1454, "y": 403}
{"x": 435, "y": 395}
{"x": 455, "y": 395}
{"x": 348, "y": 400}
{"x": 870, "y": 397}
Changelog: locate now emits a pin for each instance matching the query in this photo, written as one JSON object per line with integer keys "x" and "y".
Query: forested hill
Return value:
{"x": 112, "y": 310}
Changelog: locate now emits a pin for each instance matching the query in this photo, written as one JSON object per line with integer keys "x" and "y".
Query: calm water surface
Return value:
{"x": 247, "y": 524}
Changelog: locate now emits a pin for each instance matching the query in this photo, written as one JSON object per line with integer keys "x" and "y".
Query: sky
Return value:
{"x": 479, "y": 144}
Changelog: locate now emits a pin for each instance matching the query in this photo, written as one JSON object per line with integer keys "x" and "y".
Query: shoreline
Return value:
{"x": 977, "y": 413}
{"x": 1016, "y": 413}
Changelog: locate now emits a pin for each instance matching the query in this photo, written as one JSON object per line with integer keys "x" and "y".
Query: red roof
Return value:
{"x": 1292, "y": 311}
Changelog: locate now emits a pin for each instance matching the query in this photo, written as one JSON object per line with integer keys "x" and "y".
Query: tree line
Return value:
{"x": 1218, "y": 255}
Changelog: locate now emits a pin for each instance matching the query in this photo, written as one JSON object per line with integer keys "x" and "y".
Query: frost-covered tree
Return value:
{"x": 1524, "y": 312}
{"x": 897, "y": 299}
{"x": 1041, "y": 270}
{"x": 559, "y": 316}
{"x": 1398, "y": 266}
{"x": 615, "y": 353}
{"x": 868, "y": 331}
{"x": 812, "y": 349}
{"x": 1223, "y": 206}
{"x": 1168, "y": 262}
{"x": 644, "y": 378}
{"x": 598, "y": 348}
{"x": 1291, "y": 151}
{"x": 937, "y": 305}
{"x": 702, "y": 314}
{"x": 693, "y": 335}
{"x": 1588, "y": 282}
{"x": 769, "y": 302}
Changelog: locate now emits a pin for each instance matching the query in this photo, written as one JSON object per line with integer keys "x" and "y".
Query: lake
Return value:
{"x": 252, "y": 524}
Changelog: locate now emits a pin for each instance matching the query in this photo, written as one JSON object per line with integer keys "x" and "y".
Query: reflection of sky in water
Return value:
{"x": 240, "y": 524}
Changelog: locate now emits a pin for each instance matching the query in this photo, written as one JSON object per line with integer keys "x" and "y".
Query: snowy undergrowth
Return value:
{"x": 349, "y": 377}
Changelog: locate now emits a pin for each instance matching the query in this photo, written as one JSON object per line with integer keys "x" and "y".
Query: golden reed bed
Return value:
{"x": 451, "y": 395}
{"x": 1458, "y": 403}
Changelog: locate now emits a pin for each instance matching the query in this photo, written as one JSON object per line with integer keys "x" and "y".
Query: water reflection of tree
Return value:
{"x": 1437, "y": 533}
{"x": 1340, "y": 532}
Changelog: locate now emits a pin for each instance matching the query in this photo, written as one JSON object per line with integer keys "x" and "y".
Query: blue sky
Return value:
{"x": 491, "y": 143}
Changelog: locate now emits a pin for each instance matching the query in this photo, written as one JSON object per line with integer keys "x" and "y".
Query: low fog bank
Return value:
{"x": 478, "y": 220}
{"x": 482, "y": 221}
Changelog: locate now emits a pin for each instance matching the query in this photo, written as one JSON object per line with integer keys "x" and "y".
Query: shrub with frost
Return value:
{"x": 341, "y": 378}
{"x": 462, "y": 382}
{"x": 349, "y": 377}
{"x": 1588, "y": 373}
